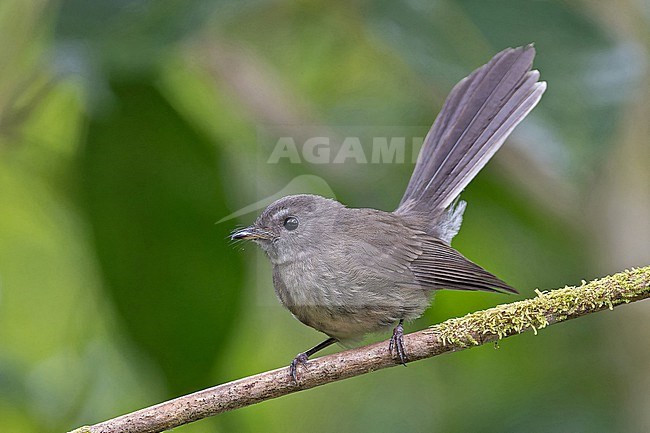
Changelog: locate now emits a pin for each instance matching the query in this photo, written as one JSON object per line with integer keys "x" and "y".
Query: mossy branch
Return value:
{"x": 452, "y": 335}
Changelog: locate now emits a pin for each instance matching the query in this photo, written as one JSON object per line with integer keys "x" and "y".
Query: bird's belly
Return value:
{"x": 342, "y": 306}
{"x": 345, "y": 326}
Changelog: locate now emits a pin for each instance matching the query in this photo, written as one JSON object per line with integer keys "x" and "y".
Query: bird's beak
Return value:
{"x": 251, "y": 233}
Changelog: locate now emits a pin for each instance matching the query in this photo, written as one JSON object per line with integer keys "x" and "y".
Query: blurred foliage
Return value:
{"x": 128, "y": 128}
{"x": 152, "y": 190}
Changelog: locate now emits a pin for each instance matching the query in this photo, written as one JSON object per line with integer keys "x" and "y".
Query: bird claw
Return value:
{"x": 397, "y": 343}
{"x": 300, "y": 358}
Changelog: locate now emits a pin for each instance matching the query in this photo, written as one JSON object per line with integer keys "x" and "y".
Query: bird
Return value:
{"x": 348, "y": 272}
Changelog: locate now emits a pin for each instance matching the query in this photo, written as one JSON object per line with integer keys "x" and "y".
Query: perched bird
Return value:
{"x": 347, "y": 272}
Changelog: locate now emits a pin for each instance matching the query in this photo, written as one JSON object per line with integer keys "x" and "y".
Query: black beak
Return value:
{"x": 251, "y": 233}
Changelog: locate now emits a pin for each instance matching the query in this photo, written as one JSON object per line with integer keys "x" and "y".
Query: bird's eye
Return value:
{"x": 291, "y": 223}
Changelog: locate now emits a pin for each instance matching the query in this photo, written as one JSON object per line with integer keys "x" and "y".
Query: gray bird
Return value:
{"x": 349, "y": 272}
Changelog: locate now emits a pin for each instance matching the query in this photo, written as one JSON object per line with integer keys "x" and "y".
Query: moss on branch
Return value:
{"x": 544, "y": 309}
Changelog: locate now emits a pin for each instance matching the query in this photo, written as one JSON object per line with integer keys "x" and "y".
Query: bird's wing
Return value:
{"x": 442, "y": 267}
{"x": 398, "y": 255}
{"x": 386, "y": 246}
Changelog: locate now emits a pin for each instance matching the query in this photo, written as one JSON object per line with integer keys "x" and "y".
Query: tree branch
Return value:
{"x": 450, "y": 336}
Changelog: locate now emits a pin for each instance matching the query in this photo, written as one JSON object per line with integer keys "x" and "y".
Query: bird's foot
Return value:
{"x": 397, "y": 343}
{"x": 300, "y": 358}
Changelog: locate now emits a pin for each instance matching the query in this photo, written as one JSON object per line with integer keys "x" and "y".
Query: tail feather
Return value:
{"x": 479, "y": 114}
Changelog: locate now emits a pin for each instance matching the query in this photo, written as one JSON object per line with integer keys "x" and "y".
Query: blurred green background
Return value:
{"x": 128, "y": 128}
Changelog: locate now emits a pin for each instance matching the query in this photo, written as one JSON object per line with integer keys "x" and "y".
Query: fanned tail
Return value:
{"x": 478, "y": 115}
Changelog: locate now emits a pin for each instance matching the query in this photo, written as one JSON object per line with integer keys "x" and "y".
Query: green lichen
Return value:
{"x": 84, "y": 429}
{"x": 546, "y": 308}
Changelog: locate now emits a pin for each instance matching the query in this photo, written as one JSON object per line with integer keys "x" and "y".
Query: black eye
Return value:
{"x": 291, "y": 223}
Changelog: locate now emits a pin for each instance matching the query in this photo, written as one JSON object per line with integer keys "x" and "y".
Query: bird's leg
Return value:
{"x": 302, "y": 358}
{"x": 397, "y": 343}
